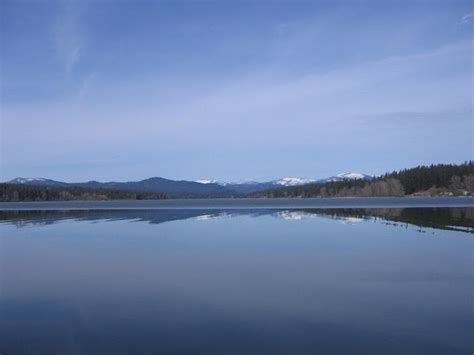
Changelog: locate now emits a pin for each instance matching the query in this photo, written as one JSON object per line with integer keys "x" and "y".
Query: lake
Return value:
{"x": 248, "y": 203}
{"x": 240, "y": 280}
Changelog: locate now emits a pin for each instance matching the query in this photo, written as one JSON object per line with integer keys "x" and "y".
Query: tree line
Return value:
{"x": 442, "y": 218}
{"x": 440, "y": 179}
{"x": 433, "y": 180}
{"x": 16, "y": 193}
{"x": 449, "y": 176}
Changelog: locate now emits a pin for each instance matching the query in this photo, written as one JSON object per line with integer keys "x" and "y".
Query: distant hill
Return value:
{"x": 433, "y": 180}
{"x": 24, "y": 192}
{"x": 36, "y": 182}
{"x": 187, "y": 189}
{"x": 176, "y": 189}
{"x": 347, "y": 176}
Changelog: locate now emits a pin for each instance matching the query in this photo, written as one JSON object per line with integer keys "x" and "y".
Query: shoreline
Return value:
{"x": 246, "y": 203}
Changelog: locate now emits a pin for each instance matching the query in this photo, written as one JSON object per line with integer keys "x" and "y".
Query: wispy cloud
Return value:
{"x": 252, "y": 104}
{"x": 68, "y": 36}
{"x": 467, "y": 18}
{"x": 297, "y": 92}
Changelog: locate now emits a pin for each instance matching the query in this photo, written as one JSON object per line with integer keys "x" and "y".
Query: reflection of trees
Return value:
{"x": 441, "y": 218}
{"x": 45, "y": 217}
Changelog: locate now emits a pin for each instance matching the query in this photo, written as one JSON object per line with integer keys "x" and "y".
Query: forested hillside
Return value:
{"x": 421, "y": 178}
{"x": 12, "y": 193}
{"x": 433, "y": 180}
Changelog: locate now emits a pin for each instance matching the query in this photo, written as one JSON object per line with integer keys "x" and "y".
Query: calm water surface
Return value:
{"x": 355, "y": 281}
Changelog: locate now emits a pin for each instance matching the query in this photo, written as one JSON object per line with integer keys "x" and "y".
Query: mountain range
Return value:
{"x": 192, "y": 189}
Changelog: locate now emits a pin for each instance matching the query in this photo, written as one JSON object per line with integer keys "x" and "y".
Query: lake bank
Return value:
{"x": 246, "y": 203}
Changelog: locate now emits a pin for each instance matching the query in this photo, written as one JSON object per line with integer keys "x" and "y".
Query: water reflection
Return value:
{"x": 457, "y": 219}
{"x": 235, "y": 282}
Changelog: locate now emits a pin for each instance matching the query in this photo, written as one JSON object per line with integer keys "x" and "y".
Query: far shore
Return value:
{"x": 246, "y": 203}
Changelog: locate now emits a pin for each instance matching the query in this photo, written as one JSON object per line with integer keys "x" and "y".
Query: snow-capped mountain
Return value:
{"x": 353, "y": 176}
{"x": 347, "y": 176}
{"x": 250, "y": 185}
{"x": 36, "y": 181}
{"x": 288, "y": 181}
{"x": 211, "y": 181}
{"x": 204, "y": 188}
{"x": 224, "y": 183}
{"x": 293, "y": 181}
{"x": 20, "y": 180}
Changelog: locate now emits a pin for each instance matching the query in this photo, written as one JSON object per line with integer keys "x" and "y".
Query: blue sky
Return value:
{"x": 232, "y": 90}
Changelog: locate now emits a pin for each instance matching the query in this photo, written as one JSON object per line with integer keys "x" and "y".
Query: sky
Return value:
{"x": 233, "y": 90}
